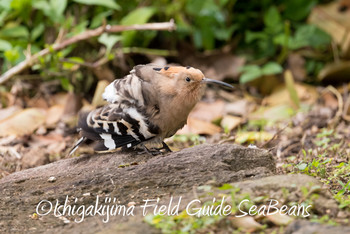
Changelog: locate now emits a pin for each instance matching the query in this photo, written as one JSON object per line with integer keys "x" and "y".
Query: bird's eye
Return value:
{"x": 188, "y": 79}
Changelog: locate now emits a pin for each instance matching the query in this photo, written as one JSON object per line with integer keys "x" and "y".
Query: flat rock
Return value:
{"x": 306, "y": 227}
{"x": 274, "y": 187}
{"x": 124, "y": 176}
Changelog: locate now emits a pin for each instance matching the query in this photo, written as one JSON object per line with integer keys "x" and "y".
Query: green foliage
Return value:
{"x": 261, "y": 30}
{"x": 282, "y": 31}
{"x": 137, "y": 16}
{"x": 109, "y": 41}
{"x": 107, "y": 3}
{"x": 252, "y": 72}
{"x": 278, "y": 31}
{"x": 209, "y": 21}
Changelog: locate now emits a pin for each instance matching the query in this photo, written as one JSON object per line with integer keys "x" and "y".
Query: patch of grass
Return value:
{"x": 185, "y": 223}
{"x": 321, "y": 160}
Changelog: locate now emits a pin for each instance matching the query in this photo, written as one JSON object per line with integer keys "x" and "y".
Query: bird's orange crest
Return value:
{"x": 170, "y": 71}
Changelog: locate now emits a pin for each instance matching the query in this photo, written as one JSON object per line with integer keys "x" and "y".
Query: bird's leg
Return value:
{"x": 165, "y": 147}
{"x": 153, "y": 152}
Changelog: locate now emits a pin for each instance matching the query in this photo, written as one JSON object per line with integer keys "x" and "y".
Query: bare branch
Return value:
{"x": 81, "y": 37}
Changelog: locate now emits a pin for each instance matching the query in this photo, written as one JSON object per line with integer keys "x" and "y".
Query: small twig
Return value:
{"x": 30, "y": 60}
{"x": 339, "y": 112}
{"x": 290, "y": 147}
{"x": 346, "y": 108}
{"x": 147, "y": 51}
{"x": 335, "y": 52}
{"x": 274, "y": 136}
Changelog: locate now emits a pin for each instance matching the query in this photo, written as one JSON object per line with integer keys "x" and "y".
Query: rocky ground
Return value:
{"x": 202, "y": 172}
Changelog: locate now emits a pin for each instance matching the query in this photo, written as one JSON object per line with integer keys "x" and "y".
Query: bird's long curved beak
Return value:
{"x": 207, "y": 80}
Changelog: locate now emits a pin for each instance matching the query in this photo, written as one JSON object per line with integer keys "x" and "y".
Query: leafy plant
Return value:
{"x": 252, "y": 72}
{"x": 263, "y": 30}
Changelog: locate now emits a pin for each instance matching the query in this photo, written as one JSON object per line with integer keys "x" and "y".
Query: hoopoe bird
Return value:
{"x": 145, "y": 107}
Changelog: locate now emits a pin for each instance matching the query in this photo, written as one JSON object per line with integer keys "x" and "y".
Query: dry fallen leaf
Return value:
{"x": 279, "y": 219}
{"x": 241, "y": 107}
{"x": 37, "y": 102}
{"x": 273, "y": 113}
{"x": 54, "y": 114}
{"x": 246, "y": 224}
{"x": 334, "y": 22}
{"x": 208, "y": 111}
{"x": 330, "y": 100}
{"x": 97, "y": 99}
{"x": 23, "y": 122}
{"x": 59, "y": 99}
{"x": 281, "y": 95}
{"x": 243, "y": 137}
{"x": 197, "y": 126}
{"x": 8, "y": 111}
{"x": 230, "y": 122}
{"x": 71, "y": 108}
{"x": 296, "y": 64}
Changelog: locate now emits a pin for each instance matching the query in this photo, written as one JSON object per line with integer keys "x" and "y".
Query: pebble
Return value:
{"x": 52, "y": 179}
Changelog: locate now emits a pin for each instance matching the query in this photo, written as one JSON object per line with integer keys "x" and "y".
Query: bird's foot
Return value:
{"x": 156, "y": 151}
{"x": 164, "y": 147}
{"x": 151, "y": 151}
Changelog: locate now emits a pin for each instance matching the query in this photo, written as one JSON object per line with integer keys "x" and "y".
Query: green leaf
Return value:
{"x": 109, "y": 41}
{"x": 250, "y": 73}
{"x": 272, "y": 17}
{"x": 37, "y": 31}
{"x": 252, "y": 36}
{"x": 208, "y": 38}
{"x": 97, "y": 20}
{"x": 302, "y": 166}
{"x": 226, "y": 187}
{"x": 288, "y": 78}
{"x": 5, "y": 4}
{"x": 310, "y": 35}
{"x": 68, "y": 65}
{"x": 197, "y": 38}
{"x": 5, "y": 45}
{"x": 17, "y": 31}
{"x": 12, "y": 55}
{"x": 106, "y": 3}
{"x": 271, "y": 68}
{"x": 58, "y": 7}
{"x": 44, "y": 6}
{"x": 224, "y": 33}
{"x": 298, "y": 10}
{"x": 137, "y": 16}
{"x": 66, "y": 85}
{"x": 3, "y": 15}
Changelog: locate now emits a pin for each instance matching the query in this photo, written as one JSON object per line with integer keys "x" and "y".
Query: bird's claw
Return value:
{"x": 152, "y": 151}
{"x": 156, "y": 151}
{"x": 164, "y": 147}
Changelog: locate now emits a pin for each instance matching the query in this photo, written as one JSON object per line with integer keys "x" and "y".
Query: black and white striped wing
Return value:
{"x": 112, "y": 127}
{"x": 129, "y": 88}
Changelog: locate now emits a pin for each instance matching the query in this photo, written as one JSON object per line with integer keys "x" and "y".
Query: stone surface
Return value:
{"x": 124, "y": 176}
{"x": 274, "y": 187}
{"x": 306, "y": 227}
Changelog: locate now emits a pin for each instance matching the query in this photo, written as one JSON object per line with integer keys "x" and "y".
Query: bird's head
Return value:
{"x": 185, "y": 80}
